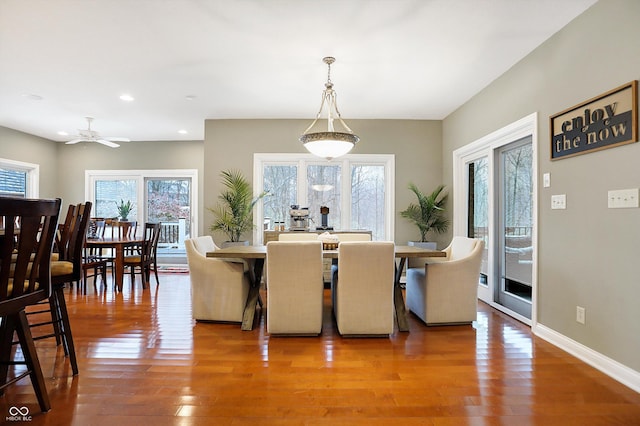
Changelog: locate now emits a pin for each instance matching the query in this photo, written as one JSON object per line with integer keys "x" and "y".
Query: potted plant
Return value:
{"x": 124, "y": 209}
{"x": 428, "y": 214}
{"x": 233, "y": 215}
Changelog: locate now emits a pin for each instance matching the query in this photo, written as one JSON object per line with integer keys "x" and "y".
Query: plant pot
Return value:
{"x": 425, "y": 245}
{"x": 234, "y": 243}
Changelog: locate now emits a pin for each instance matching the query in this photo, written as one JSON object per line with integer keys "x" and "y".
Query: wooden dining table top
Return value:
{"x": 105, "y": 241}
{"x": 260, "y": 252}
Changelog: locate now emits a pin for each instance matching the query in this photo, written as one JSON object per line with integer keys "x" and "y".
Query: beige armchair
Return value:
{"x": 219, "y": 288}
{"x": 445, "y": 290}
{"x": 363, "y": 291}
{"x": 295, "y": 295}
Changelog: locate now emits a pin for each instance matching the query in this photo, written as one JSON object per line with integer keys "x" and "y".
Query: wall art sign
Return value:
{"x": 605, "y": 121}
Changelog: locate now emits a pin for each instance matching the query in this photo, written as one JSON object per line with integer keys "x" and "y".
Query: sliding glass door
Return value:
{"x": 515, "y": 226}
{"x": 495, "y": 192}
{"x": 165, "y": 196}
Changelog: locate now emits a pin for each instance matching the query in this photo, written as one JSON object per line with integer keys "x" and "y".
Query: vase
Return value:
{"x": 234, "y": 243}
{"x": 425, "y": 245}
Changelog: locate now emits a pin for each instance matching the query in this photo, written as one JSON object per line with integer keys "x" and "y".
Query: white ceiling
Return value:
{"x": 396, "y": 59}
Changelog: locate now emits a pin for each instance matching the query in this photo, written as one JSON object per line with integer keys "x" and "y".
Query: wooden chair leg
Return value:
{"x": 55, "y": 319}
{"x": 33, "y": 364}
{"x": 67, "y": 337}
{"x": 18, "y": 322}
{"x": 6, "y": 338}
{"x": 155, "y": 272}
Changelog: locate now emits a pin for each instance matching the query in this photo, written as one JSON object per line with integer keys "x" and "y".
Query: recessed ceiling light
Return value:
{"x": 63, "y": 133}
{"x": 182, "y": 132}
{"x": 33, "y": 97}
{"x": 127, "y": 97}
{"x": 190, "y": 97}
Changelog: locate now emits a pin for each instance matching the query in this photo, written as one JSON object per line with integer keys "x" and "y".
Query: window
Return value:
{"x": 18, "y": 179}
{"x": 357, "y": 189}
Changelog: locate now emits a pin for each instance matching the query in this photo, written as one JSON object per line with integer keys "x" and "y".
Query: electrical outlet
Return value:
{"x": 580, "y": 314}
{"x": 559, "y": 202}
{"x": 622, "y": 198}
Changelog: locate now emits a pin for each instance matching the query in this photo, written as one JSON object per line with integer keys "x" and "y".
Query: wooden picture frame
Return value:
{"x": 606, "y": 121}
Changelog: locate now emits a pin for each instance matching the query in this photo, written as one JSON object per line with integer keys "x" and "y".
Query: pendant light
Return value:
{"x": 329, "y": 144}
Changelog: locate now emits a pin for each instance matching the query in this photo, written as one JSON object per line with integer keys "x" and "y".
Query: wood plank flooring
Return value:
{"x": 144, "y": 361}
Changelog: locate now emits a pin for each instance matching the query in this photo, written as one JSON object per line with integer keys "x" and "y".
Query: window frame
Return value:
{"x": 32, "y": 184}
{"x": 346, "y": 161}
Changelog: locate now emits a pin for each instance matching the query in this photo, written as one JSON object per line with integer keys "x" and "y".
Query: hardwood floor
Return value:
{"x": 144, "y": 361}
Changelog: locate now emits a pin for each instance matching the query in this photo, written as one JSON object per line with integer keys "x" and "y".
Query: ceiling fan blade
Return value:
{"x": 107, "y": 143}
{"x": 73, "y": 141}
{"x": 115, "y": 139}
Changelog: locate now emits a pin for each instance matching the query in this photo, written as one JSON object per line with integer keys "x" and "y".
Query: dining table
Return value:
{"x": 119, "y": 245}
{"x": 255, "y": 257}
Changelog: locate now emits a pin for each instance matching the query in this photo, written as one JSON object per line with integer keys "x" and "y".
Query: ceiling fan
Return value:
{"x": 88, "y": 135}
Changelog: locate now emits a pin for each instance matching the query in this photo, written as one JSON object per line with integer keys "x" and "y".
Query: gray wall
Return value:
{"x": 588, "y": 254}
{"x": 73, "y": 160}
{"x": 230, "y": 144}
{"x": 62, "y": 167}
{"x": 18, "y": 146}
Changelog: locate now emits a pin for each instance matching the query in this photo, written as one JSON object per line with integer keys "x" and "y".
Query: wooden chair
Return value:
{"x": 94, "y": 262}
{"x": 25, "y": 256}
{"x": 143, "y": 257}
{"x": 66, "y": 270}
{"x": 122, "y": 229}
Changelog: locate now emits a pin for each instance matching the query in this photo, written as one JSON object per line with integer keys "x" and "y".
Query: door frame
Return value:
{"x": 139, "y": 176}
{"x": 487, "y": 146}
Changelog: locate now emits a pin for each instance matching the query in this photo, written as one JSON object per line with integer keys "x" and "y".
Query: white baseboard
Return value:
{"x": 608, "y": 366}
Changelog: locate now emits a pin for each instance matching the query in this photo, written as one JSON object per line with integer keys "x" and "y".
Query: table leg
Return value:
{"x": 118, "y": 264}
{"x": 398, "y": 300}
{"x": 255, "y": 276}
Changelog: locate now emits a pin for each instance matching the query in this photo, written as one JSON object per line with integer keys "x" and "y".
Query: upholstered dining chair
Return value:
{"x": 363, "y": 292}
{"x": 25, "y": 279}
{"x": 295, "y": 295}
{"x": 445, "y": 290}
{"x": 342, "y": 237}
{"x": 219, "y": 288}
{"x": 298, "y": 236}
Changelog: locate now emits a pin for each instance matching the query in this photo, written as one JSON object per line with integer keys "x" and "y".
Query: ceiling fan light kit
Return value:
{"x": 88, "y": 135}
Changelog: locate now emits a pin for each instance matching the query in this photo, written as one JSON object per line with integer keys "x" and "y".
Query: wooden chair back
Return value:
{"x": 71, "y": 240}
{"x": 25, "y": 251}
{"x": 124, "y": 229}
{"x": 151, "y": 238}
{"x": 96, "y": 227}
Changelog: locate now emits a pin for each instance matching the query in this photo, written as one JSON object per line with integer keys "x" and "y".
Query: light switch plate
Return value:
{"x": 622, "y": 198}
{"x": 559, "y": 202}
{"x": 546, "y": 180}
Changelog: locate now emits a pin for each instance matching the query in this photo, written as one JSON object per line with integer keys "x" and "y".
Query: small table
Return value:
{"x": 255, "y": 256}
{"x": 119, "y": 244}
